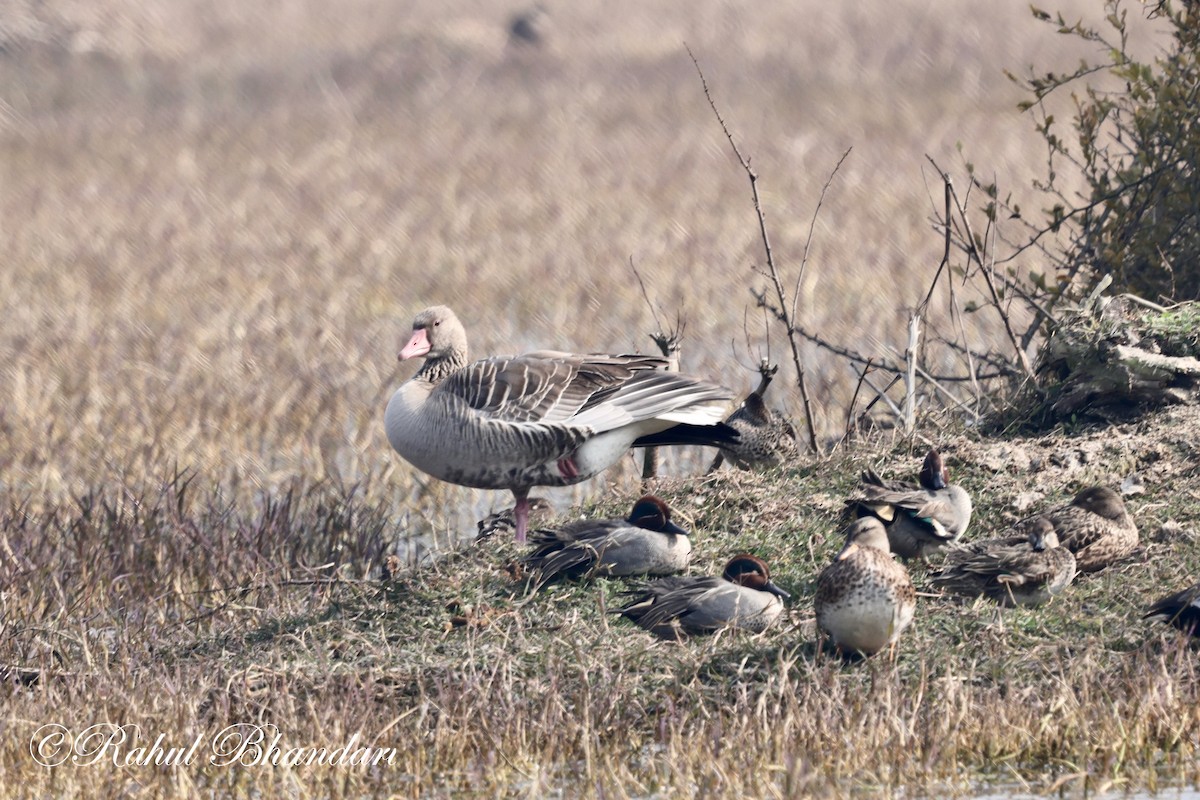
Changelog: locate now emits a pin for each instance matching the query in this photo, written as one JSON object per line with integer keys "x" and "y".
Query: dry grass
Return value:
{"x": 218, "y": 220}
{"x": 183, "y": 614}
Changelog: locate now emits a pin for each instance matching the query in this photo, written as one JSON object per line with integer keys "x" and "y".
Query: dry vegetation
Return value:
{"x": 218, "y": 219}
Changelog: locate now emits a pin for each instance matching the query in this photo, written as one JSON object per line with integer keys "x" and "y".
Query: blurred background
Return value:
{"x": 218, "y": 218}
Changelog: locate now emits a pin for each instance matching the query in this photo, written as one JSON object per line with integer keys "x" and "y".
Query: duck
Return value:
{"x": 544, "y": 418}
{"x": 505, "y": 520}
{"x": 920, "y": 518}
{"x": 865, "y": 598}
{"x": 1025, "y": 569}
{"x": 765, "y": 439}
{"x": 646, "y": 542}
{"x": 744, "y": 597}
{"x": 1095, "y": 527}
{"x": 1181, "y": 610}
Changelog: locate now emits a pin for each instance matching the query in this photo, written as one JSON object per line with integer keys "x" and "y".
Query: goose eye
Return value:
{"x": 437, "y": 322}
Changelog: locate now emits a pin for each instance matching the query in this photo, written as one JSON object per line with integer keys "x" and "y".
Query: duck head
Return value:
{"x": 934, "y": 474}
{"x": 653, "y": 514}
{"x": 1101, "y": 501}
{"x": 865, "y": 532}
{"x": 751, "y": 572}
{"x": 1042, "y": 535}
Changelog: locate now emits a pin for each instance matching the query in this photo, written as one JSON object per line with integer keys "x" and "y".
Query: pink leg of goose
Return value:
{"x": 521, "y": 513}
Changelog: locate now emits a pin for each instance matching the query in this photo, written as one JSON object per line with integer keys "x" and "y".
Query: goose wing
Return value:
{"x": 599, "y": 392}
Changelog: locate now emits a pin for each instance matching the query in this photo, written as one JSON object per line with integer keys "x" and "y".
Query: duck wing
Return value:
{"x": 667, "y": 599}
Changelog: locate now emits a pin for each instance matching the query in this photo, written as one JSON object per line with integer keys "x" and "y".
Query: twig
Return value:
{"x": 945, "y": 247}
{"x": 1144, "y": 303}
{"x": 987, "y": 270}
{"x": 867, "y": 408}
{"x": 883, "y": 396}
{"x": 812, "y": 224}
{"x": 645, "y": 294}
{"x": 669, "y": 345}
{"x": 910, "y": 375}
{"x": 886, "y": 366}
{"x": 854, "y": 398}
{"x": 948, "y": 393}
{"x": 956, "y": 317}
{"x": 773, "y": 270}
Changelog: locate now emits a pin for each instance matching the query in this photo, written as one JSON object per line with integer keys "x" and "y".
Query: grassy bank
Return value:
{"x": 184, "y": 614}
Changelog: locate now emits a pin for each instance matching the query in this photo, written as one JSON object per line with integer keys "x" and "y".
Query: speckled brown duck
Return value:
{"x": 865, "y": 599}
{"x": 920, "y": 518}
{"x": 1095, "y": 527}
{"x": 1025, "y": 569}
{"x": 744, "y": 597}
{"x": 766, "y": 439}
{"x": 646, "y": 542}
{"x": 540, "y": 419}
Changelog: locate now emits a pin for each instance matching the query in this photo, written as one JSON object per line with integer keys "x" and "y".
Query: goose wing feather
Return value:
{"x": 596, "y": 391}
{"x": 544, "y": 387}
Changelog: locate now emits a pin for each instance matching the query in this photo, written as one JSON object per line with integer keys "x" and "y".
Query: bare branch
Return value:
{"x": 812, "y": 224}
{"x": 854, "y": 399}
{"x": 645, "y": 294}
{"x": 910, "y": 374}
{"x": 772, "y": 270}
{"x": 987, "y": 270}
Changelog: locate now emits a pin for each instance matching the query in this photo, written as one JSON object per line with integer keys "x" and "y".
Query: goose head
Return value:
{"x": 437, "y": 334}
{"x": 652, "y": 514}
{"x": 752, "y": 572}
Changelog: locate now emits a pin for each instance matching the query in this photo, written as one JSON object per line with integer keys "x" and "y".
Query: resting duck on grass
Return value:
{"x": 865, "y": 598}
{"x": 1095, "y": 527}
{"x": 644, "y": 543}
{"x": 1181, "y": 609}
{"x": 744, "y": 598}
{"x": 540, "y": 419}
{"x": 920, "y": 518}
{"x": 1026, "y": 569}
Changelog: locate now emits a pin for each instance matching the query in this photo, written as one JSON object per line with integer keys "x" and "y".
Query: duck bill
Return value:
{"x": 775, "y": 590}
{"x": 671, "y": 527}
{"x": 417, "y": 346}
{"x": 847, "y": 549}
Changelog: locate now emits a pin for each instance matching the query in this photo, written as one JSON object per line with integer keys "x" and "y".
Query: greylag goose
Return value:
{"x": 1026, "y": 569}
{"x": 644, "y": 543}
{"x": 865, "y": 599}
{"x": 920, "y": 519}
{"x": 744, "y": 598}
{"x": 540, "y": 419}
